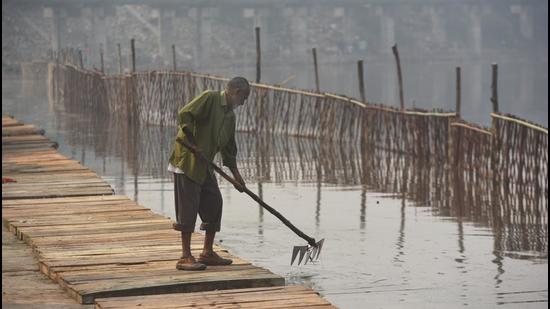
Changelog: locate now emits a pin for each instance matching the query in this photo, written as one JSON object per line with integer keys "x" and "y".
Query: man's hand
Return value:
{"x": 241, "y": 184}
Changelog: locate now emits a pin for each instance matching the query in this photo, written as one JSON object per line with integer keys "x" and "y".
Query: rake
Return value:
{"x": 311, "y": 251}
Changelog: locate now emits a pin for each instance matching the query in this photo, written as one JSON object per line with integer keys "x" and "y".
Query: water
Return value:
{"x": 389, "y": 242}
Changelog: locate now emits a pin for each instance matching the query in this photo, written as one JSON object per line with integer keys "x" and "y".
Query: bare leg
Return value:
{"x": 186, "y": 244}
{"x": 208, "y": 243}
{"x": 208, "y": 256}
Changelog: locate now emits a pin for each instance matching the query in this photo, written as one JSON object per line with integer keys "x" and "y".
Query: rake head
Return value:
{"x": 310, "y": 252}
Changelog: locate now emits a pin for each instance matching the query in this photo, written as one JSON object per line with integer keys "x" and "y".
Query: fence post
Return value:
{"x": 314, "y": 51}
{"x": 258, "y": 55}
{"x": 80, "y": 59}
{"x": 119, "y": 59}
{"x": 174, "y": 57}
{"x": 494, "y": 87}
{"x": 361, "y": 80}
{"x": 495, "y": 140}
{"x": 101, "y": 58}
{"x": 133, "y": 48}
{"x": 399, "y": 77}
{"x": 458, "y": 94}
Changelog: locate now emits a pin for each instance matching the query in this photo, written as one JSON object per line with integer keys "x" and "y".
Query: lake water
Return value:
{"x": 389, "y": 242}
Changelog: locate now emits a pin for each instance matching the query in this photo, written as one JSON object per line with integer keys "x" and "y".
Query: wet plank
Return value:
{"x": 273, "y": 297}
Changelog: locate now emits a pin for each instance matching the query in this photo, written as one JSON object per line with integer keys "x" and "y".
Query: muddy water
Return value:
{"x": 396, "y": 235}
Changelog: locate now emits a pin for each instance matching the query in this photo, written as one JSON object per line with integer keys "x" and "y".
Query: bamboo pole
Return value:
{"x": 174, "y": 57}
{"x": 399, "y": 76}
{"x": 360, "y": 78}
{"x": 458, "y": 92}
{"x": 464, "y": 125}
{"x": 314, "y": 51}
{"x": 119, "y": 59}
{"x": 101, "y": 59}
{"x": 80, "y": 59}
{"x": 521, "y": 122}
{"x": 258, "y": 55}
{"x": 494, "y": 87}
{"x": 133, "y": 48}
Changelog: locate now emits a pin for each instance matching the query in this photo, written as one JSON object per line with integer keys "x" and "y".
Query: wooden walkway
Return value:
{"x": 95, "y": 244}
{"x": 273, "y": 297}
{"x": 23, "y": 286}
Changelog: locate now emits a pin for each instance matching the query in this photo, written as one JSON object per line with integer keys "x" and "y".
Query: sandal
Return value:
{"x": 214, "y": 259}
{"x": 189, "y": 263}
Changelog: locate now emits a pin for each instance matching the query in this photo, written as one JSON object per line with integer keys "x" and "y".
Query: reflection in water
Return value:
{"x": 363, "y": 209}
{"x": 519, "y": 224}
{"x": 400, "y": 244}
{"x": 260, "y": 211}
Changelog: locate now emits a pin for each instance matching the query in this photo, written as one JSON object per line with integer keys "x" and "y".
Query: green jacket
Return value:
{"x": 212, "y": 122}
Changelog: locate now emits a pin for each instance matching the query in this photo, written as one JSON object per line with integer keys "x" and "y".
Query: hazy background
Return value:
{"x": 433, "y": 37}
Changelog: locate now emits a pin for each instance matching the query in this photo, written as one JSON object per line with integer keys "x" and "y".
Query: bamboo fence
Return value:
{"x": 428, "y": 156}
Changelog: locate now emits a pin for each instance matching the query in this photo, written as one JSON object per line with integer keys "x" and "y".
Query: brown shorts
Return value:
{"x": 193, "y": 198}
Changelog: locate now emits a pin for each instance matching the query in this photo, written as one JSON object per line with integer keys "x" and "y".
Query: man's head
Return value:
{"x": 237, "y": 91}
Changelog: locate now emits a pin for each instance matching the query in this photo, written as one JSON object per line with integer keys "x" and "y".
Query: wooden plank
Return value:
{"x": 21, "y": 130}
{"x": 13, "y": 140}
{"x": 267, "y": 297}
{"x": 23, "y": 286}
{"x": 28, "y": 147}
{"x": 84, "y": 191}
{"x": 171, "y": 283}
{"x": 9, "y": 122}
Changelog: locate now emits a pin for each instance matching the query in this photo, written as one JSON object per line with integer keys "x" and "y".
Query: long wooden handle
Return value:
{"x": 200, "y": 155}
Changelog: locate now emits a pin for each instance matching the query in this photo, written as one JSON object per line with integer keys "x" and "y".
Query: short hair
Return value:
{"x": 238, "y": 83}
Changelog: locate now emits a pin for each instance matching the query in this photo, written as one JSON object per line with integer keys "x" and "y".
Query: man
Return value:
{"x": 208, "y": 122}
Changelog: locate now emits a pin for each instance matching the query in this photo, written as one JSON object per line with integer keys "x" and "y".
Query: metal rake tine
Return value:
{"x": 319, "y": 246}
{"x": 294, "y": 254}
{"x": 303, "y": 250}
{"x": 313, "y": 253}
{"x": 308, "y": 256}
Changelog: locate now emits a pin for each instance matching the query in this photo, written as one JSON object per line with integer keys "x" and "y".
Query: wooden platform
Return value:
{"x": 107, "y": 246}
{"x": 17, "y": 130}
{"x": 95, "y": 244}
{"x": 23, "y": 286}
{"x": 274, "y": 297}
{"x": 40, "y": 171}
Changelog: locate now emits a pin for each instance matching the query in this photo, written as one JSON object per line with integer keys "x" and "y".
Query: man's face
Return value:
{"x": 239, "y": 97}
